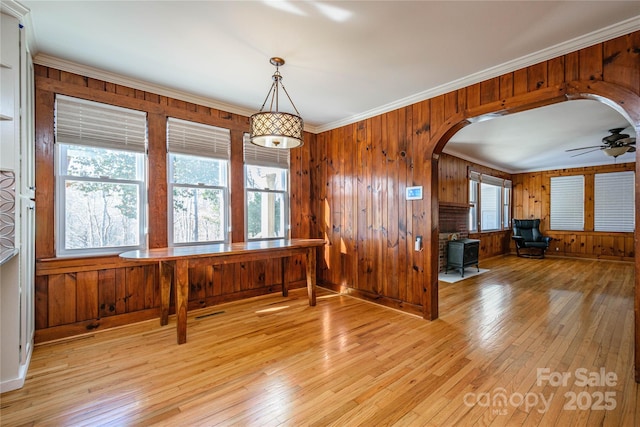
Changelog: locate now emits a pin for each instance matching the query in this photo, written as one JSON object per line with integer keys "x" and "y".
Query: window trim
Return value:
{"x": 61, "y": 199}
{"x": 279, "y": 158}
{"x": 191, "y": 138}
{"x": 476, "y": 179}
{"x": 286, "y": 198}
{"x": 87, "y": 123}
{"x": 225, "y": 196}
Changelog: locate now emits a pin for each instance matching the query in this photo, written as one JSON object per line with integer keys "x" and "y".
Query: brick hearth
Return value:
{"x": 452, "y": 219}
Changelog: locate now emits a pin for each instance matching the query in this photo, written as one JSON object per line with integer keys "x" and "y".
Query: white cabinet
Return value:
{"x": 9, "y": 92}
{"x": 17, "y": 207}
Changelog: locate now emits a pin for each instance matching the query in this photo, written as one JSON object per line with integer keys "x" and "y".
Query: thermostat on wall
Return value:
{"x": 414, "y": 193}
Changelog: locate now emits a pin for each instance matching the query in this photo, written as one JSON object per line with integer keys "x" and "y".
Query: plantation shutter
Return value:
{"x": 260, "y": 156}
{"x": 198, "y": 139}
{"x": 567, "y": 202}
{"x": 614, "y": 201}
{"x": 81, "y": 122}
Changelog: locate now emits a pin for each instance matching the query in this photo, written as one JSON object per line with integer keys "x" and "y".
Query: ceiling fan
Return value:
{"x": 613, "y": 145}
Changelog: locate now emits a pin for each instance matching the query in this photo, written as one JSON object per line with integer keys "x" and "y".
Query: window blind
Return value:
{"x": 614, "y": 201}
{"x": 492, "y": 180}
{"x": 489, "y": 179}
{"x": 256, "y": 155}
{"x": 81, "y": 122}
{"x": 198, "y": 139}
{"x": 567, "y": 202}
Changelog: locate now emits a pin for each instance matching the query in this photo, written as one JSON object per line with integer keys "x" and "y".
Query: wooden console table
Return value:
{"x": 175, "y": 262}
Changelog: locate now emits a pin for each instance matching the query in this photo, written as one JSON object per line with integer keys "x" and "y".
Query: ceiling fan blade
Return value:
{"x": 584, "y": 148}
{"x": 586, "y": 152}
{"x": 627, "y": 141}
{"x": 631, "y": 150}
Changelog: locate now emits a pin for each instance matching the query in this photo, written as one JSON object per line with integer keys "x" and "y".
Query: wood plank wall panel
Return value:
{"x": 351, "y": 175}
{"x": 77, "y": 295}
{"x": 361, "y": 193}
{"x": 453, "y": 187}
{"x": 622, "y": 68}
{"x": 531, "y": 199}
{"x": 420, "y": 127}
{"x": 453, "y": 191}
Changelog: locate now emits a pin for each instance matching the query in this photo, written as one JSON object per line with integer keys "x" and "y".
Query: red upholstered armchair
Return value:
{"x": 530, "y": 243}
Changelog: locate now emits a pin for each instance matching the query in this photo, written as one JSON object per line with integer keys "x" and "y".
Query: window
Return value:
{"x": 490, "y": 203}
{"x": 567, "y": 202}
{"x": 267, "y": 194}
{"x": 506, "y": 205}
{"x": 614, "y": 202}
{"x": 100, "y": 177}
{"x": 473, "y": 202}
{"x": 198, "y": 176}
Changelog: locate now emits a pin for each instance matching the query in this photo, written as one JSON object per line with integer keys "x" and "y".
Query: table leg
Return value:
{"x": 182, "y": 298}
{"x": 165, "y": 290}
{"x": 311, "y": 275}
{"x": 285, "y": 282}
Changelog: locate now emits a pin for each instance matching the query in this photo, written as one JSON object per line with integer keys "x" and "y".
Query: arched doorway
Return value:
{"x": 620, "y": 99}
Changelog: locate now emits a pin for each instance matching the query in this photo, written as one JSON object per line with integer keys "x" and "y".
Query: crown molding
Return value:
{"x": 13, "y": 8}
{"x": 95, "y": 73}
{"x": 452, "y": 152}
{"x": 625, "y": 27}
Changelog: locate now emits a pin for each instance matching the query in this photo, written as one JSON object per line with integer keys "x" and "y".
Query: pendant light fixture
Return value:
{"x": 275, "y": 129}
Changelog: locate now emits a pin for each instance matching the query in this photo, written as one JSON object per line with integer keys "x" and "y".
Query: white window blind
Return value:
{"x": 614, "y": 201}
{"x": 567, "y": 202}
{"x": 256, "y": 155}
{"x": 82, "y": 122}
{"x": 492, "y": 180}
{"x": 198, "y": 139}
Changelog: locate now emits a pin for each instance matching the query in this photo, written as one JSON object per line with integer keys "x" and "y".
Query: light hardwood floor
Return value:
{"x": 276, "y": 361}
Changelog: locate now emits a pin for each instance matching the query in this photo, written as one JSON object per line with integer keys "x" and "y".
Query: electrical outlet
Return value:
{"x": 418, "y": 245}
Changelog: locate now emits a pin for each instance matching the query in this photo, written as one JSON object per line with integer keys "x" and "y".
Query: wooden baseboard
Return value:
{"x": 378, "y": 299}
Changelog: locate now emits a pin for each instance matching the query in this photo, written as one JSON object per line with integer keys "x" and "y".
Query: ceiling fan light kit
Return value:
{"x": 615, "y": 151}
{"x": 614, "y": 145}
{"x": 276, "y": 129}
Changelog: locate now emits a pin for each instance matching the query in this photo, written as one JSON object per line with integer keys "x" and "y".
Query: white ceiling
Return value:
{"x": 537, "y": 139}
{"x": 344, "y": 60}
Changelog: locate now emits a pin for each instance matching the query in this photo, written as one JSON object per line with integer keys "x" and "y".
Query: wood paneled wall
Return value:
{"x": 359, "y": 176}
{"x": 360, "y": 171}
{"x": 453, "y": 190}
{"x": 531, "y": 199}
{"x": 356, "y": 175}
{"x": 75, "y": 295}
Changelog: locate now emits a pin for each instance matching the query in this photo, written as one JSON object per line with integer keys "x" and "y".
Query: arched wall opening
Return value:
{"x": 624, "y": 101}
